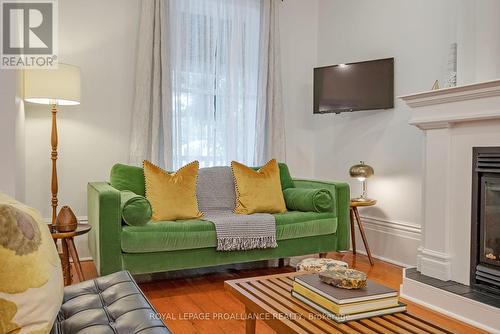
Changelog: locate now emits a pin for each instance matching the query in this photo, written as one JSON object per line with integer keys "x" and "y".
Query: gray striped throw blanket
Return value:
{"x": 217, "y": 199}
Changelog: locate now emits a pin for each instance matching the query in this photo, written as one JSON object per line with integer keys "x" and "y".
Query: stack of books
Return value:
{"x": 344, "y": 305}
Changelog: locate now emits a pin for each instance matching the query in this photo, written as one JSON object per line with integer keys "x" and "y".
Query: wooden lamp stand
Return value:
{"x": 57, "y": 85}
{"x": 54, "y": 187}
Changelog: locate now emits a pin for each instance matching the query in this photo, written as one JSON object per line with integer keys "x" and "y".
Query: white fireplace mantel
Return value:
{"x": 444, "y": 107}
{"x": 454, "y": 120}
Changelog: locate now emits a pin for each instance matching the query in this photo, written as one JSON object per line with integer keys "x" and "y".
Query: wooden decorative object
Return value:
{"x": 344, "y": 278}
{"x": 66, "y": 220}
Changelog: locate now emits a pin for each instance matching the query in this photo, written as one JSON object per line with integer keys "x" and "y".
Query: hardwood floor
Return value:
{"x": 199, "y": 304}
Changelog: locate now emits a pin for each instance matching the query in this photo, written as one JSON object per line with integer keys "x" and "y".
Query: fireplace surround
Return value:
{"x": 456, "y": 123}
{"x": 485, "y": 222}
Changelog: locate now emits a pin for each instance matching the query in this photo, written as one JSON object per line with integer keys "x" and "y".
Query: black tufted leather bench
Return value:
{"x": 111, "y": 304}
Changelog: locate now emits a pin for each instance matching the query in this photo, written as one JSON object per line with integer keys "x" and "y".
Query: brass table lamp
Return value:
{"x": 361, "y": 172}
{"x": 58, "y": 86}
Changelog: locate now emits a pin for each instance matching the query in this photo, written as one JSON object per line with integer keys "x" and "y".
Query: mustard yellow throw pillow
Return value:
{"x": 31, "y": 280}
{"x": 258, "y": 191}
{"x": 172, "y": 195}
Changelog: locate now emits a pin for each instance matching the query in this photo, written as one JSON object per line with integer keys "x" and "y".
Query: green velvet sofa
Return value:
{"x": 173, "y": 245}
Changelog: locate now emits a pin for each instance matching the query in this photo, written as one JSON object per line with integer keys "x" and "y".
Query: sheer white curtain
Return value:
{"x": 270, "y": 125}
{"x": 208, "y": 83}
{"x": 214, "y": 54}
{"x": 152, "y": 107}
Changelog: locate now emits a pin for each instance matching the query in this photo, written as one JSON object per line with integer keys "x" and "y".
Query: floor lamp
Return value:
{"x": 59, "y": 86}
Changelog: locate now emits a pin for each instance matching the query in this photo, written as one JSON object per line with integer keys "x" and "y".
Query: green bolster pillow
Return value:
{"x": 304, "y": 199}
{"x": 136, "y": 209}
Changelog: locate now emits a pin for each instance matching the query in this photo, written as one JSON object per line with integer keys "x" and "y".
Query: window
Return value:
{"x": 214, "y": 50}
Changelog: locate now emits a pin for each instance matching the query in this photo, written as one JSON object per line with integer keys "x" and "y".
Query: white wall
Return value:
{"x": 478, "y": 30}
{"x": 7, "y": 131}
{"x": 417, "y": 34}
{"x": 11, "y": 134}
{"x": 20, "y": 135}
{"x": 298, "y": 31}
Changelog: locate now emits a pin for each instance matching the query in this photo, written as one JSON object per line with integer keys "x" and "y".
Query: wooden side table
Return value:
{"x": 355, "y": 217}
{"x": 69, "y": 249}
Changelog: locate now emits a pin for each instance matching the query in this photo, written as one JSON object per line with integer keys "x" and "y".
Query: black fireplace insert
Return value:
{"x": 485, "y": 233}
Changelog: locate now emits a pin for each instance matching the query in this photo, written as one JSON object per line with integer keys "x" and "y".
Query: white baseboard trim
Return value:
{"x": 390, "y": 241}
{"x": 392, "y": 224}
{"x": 385, "y": 259}
{"x": 466, "y": 310}
{"x": 392, "y": 227}
{"x": 434, "y": 264}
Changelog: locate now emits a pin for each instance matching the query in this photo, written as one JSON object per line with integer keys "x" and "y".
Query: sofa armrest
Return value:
{"x": 104, "y": 215}
{"x": 341, "y": 198}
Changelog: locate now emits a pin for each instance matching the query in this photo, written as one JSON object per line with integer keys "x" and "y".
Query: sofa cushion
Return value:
{"x": 136, "y": 209}
{"x": 258, "y": 191}
{"x": 304, "y": 199}
{"x": 192, "y": 234}
{"x": 172, "y": 195}
{"x": 285, "y": 177}
{"x": 111, "y": 304}
{"x": 125, "y": 177}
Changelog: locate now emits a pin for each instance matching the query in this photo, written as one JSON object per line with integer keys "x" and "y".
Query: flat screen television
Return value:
{"x": 365, "y": 85}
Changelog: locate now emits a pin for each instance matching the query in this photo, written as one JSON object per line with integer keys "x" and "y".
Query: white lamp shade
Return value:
{"x": 53, "y": 86}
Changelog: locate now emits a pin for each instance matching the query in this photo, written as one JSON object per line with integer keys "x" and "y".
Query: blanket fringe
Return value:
{"x": 246, "y": 243}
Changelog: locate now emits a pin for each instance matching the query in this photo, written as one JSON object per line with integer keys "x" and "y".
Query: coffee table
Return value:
{"x": 268, "y": 298}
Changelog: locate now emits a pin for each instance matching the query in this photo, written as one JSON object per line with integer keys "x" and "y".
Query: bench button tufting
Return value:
{"x": 102, "y": 315}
